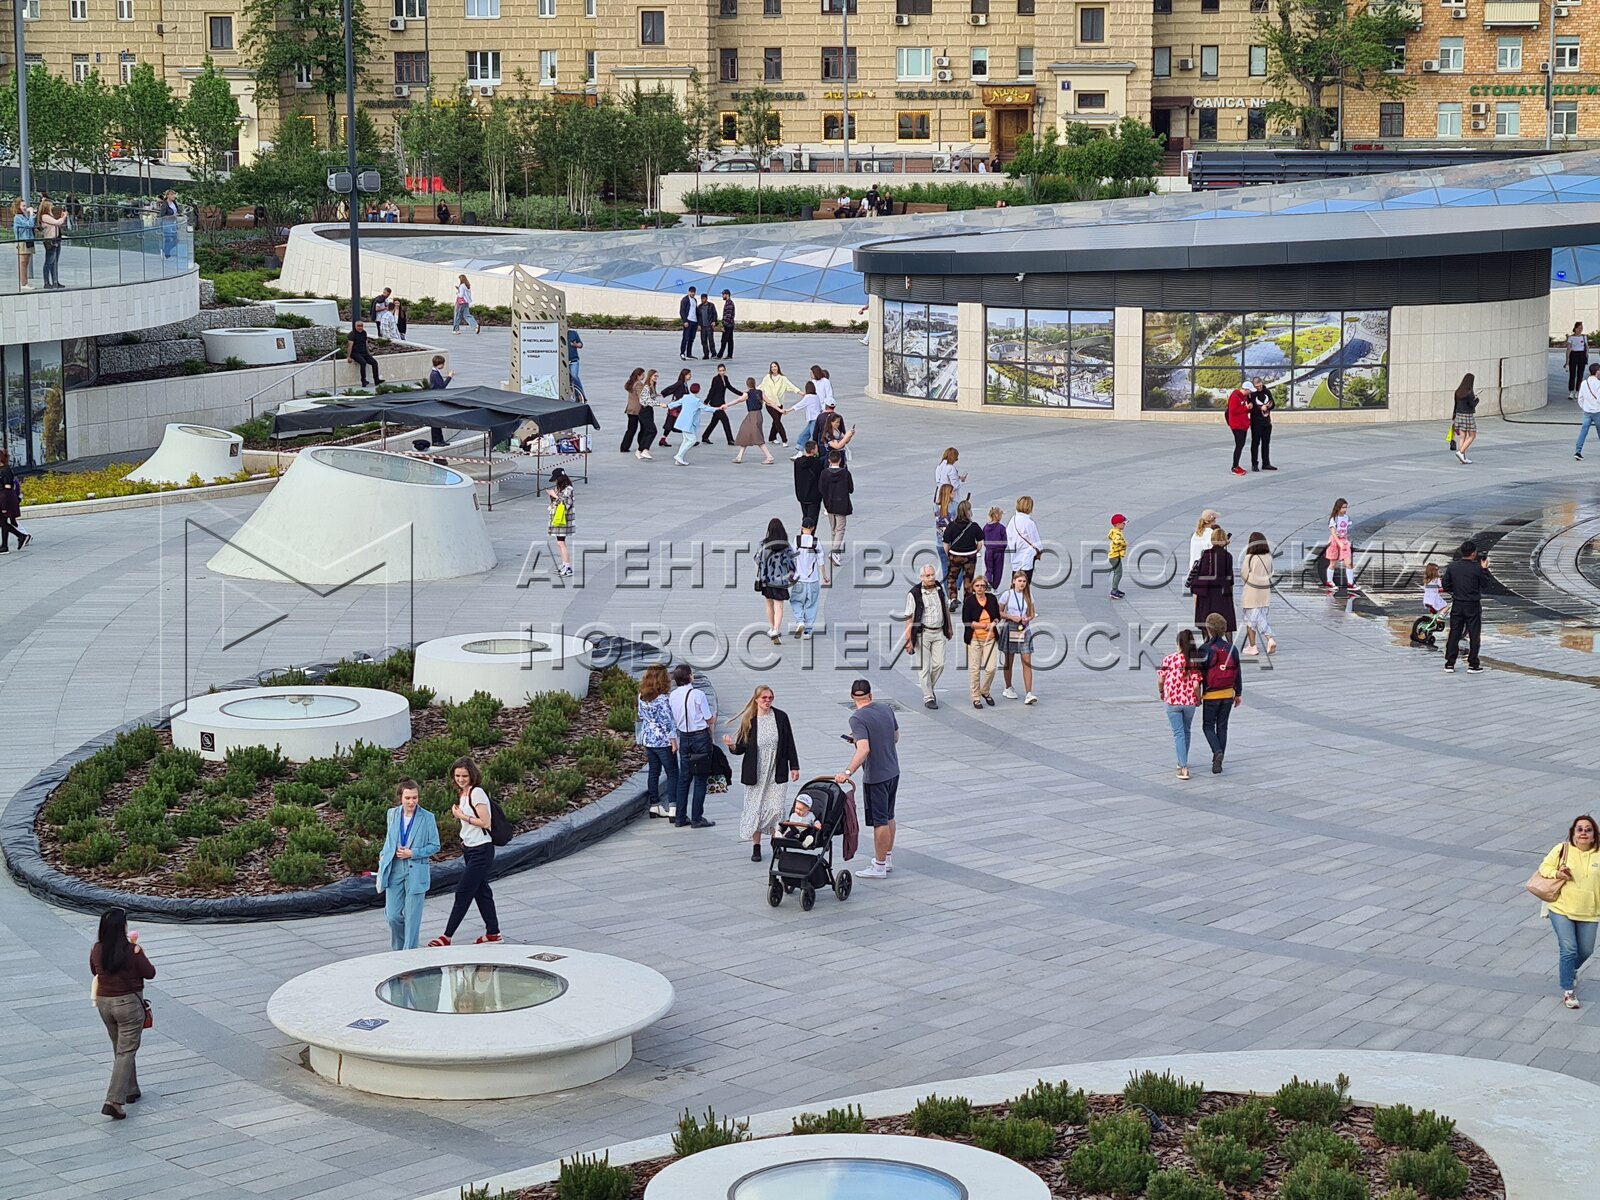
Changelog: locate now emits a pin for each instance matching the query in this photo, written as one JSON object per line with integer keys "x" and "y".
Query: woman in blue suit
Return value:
{"x": 403, "y": 871}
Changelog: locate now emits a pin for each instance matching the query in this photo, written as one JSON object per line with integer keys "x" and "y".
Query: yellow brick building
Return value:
{"x": 925, "y": 77}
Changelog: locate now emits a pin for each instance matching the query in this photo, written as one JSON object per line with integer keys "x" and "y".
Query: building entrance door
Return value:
{"x": 1008, "y": 125}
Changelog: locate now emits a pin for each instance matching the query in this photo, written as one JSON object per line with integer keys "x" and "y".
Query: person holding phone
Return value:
{"x": 1464, "y": 579}
{"x": 120, "y": 967}
{"x": 472, "y": 810}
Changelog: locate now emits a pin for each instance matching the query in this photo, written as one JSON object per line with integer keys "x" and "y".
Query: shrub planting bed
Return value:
{"x": 1163, "y": 1138}
{"x": 107, "y": 482}
{"x": 144, "y": 817}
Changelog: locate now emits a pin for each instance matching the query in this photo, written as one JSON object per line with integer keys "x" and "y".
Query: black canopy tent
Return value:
{"x": 496, "y": 413}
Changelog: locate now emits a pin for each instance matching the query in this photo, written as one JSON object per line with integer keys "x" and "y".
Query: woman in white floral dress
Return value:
{"x": 765, "y": 740}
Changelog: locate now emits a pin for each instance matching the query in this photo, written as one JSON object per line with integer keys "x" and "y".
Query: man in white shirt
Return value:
{"x": 928, "y": 628}
{"x": 696, "y": 722}
{"x": 1589, "y": 402}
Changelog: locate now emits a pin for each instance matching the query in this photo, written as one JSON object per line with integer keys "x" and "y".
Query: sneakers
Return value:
{"x": 1327, "y": 587}
{"x": 1030, "y": 698}
{"x": 1250, "y": 652}
{"x": 646, "y": 456}
{"x": 1450, "y": 667}
{"x": 876, "y": 871}
{"x": 1117, "y": 595}
{"x": 1239, "y": 471}
{"x": 836, "y": 557}
{"x": 1570, "y": 999}
{"x": 486, "y": 938}
{"x": 1009, "y": 694}
{"x": 566, "y": 569}
{"x": 804, "y": 635}
{"x": 930, "y": 702}
{"x": 1474, "y": 670}
{"x": 1577, "y": 456}
{"x": 441, "y": 940}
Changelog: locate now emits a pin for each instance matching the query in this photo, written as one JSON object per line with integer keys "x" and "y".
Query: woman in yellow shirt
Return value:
{"x": 1575, "y": 914}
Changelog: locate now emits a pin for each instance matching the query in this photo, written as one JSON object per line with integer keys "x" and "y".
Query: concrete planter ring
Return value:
{"x": 188, "y": 450}
{"x": 318, "y": 312}
{"x": 304, "y": 723}
{"x": 845, "y": 1167}
{"x": 471, "y": 1022}
{"x": 253, "y": 347}
{"x": 509, "y": 665}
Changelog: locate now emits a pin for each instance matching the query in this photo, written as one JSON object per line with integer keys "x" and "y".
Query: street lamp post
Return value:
{"x": 352, "y": 199}
{"x": 1550, "y": 85}
{"x": 25, "y": 170}
{"x": 844, "y": 37}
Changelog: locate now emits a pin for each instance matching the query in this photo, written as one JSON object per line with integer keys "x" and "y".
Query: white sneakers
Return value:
{"x": 1009, "y": 694}
{"x": 875, "y": 871}
{"x": 1030, "y": 698}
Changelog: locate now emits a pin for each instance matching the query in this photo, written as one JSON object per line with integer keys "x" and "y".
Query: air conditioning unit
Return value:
{"x": 486, "y": 91}
{"x": 1562, "y": 12}
{"x": 901, "y": 19}
{"x": 978, "y": 19}
{"x": 1479, "y": 126}
{"x": 1186, "y": 64}
{"x": 1544, "y": 68}
{"x": 401, "y": 90}
{"x": 943, "y": 76}
{"x": 1430, "y": 65}
{"x": 1459, "y": 14}
{"x": 941, "y": 61}
{"x": 397, "y": 24}
{"x": 1480, "y": 110}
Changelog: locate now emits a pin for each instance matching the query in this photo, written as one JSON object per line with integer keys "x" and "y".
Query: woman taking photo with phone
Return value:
{"x": 477, "y": 851}
{"x": 120, "y": 968}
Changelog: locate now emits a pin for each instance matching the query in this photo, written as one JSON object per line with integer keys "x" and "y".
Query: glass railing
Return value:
{"x": 131, "y": 247}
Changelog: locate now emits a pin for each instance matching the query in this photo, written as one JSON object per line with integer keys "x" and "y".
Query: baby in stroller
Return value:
{"x": 801, "y": 825}
{"x": 802, "y": 845}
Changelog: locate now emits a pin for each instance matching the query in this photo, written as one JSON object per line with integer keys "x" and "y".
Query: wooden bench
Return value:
{"x": 923, "y": 208}
{"x": 427, "y": 214}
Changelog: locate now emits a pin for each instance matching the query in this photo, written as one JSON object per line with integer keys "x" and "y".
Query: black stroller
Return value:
{"x": 810, "y": 868}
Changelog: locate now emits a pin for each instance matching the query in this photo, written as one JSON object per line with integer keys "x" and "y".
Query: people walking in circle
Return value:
{"x": 1211, "y": 582}
{"x": 962, "y": 538}
{"x": 659, "y": 737}
{"x": 472, "y": 809}
{"x": 775, "y": 388}
{"x": 806, "y": 592}
{"x": 718, "y": 398}
{"x": 1577, "y": 358}
{"x": 1224, "y": 687}
{"x": 995, "y": 538}
{"x": 1016, "y": 634}
{"x": 1257, "y": 598}
{"x": 120, "y": 968}
{"x": 1575, "y": 910}
{"x": 928, "y": 628}
{"x": 1589, "y": 405}
{"x": 673, "y": 396}
{"x": 1181, "y": 683}
{"x": 1238, "y": 418}
{"x": 1339, "y": 550}
{"x": 808, "y": 406}
{"x": 1463, "y": 580}
{"x": 1023, "y": 539}
{"x": 750, "y": 429}
{"x": 696, "y": 723}
{"x": 980, "y": 623}
{"x": 774, "y": 574}
{"x": 1261, "y": 406}
{"x": 875, "y": 734}
{"x": 404, "y": 874}
{"x": 1116, "y": 552}
{"x": 1463, "y": 421}
{"x": 634, "y": 409}
{"x": 764, "y": 739}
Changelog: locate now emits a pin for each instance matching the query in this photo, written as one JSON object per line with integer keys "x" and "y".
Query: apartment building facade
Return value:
{"x": 918, "y": 77}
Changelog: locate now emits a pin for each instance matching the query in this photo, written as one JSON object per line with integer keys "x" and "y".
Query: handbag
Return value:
{"x": 1547, "y": 890}
{"x": 702, "y": 764}
{"x": 149, "y": 1014}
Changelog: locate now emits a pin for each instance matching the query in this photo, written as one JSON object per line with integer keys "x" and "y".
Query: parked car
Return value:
{"x": 733, "y": 166}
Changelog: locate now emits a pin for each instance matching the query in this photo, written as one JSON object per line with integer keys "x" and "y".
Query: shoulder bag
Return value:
{"x": 1548, "y": 890}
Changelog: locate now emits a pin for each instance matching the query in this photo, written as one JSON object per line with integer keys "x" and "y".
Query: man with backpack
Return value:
{"x": 1223, "y": 685}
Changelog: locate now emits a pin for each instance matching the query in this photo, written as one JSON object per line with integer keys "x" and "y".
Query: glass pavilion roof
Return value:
{"x": 810, "y": 261}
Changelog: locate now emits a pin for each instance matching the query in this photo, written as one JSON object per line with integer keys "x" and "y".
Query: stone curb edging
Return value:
{"x": 565, "y": 835}
{"x": 1527, "y": 1119}
{"x": 75, "y": 508}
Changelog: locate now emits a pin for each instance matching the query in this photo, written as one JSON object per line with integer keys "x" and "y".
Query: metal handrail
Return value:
{"x": 289, "y": 378}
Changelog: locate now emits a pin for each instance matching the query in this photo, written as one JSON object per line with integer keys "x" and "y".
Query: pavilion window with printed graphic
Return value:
{"x": 1051, "y": 357}
{"x": 1335, "y": 359}
{"x": 919, "y": 350}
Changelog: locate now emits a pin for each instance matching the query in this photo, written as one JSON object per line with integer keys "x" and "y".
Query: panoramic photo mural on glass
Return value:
{"x": 919, "y": 350}
{"x": 1308, "y": 359}
{"x": 1049, "y": 356}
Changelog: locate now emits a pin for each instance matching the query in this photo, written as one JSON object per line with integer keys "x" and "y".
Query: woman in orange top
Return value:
{"x": 980, "y": 619}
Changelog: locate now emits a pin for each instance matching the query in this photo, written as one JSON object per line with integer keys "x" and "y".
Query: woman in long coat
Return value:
{"x": 1211, "y": 581}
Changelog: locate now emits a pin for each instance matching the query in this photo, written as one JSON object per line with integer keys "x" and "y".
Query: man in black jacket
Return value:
{"x": 721, "y": 385}
{"x": 928, "y": 628}
{"x": 725, "y": 350}
{"x": 836, "y": 485}
{"x": 1464, "y": 579}
{"x": 689, "y": 314}
{"x": 808, "y": 485}
{"x": 708, "y": 326}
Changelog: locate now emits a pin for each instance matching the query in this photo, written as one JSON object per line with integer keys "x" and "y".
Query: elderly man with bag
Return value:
{"x": 928, "y": 628}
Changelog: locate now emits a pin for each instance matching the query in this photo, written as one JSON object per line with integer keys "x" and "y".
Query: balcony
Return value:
{"x": 1512, "y": 13}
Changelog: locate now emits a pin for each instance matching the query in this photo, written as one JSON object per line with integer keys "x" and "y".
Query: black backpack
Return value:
{"x": 501, "y": 831}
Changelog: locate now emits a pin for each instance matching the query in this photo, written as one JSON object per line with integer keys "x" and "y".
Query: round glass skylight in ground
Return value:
{"x": 471, "y": 988}
{"x": 848, "y": 1179}
{"x": 291, "y": 706}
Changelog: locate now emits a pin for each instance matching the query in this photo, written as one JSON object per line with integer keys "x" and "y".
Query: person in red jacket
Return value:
{"x": 1239, "y": 422}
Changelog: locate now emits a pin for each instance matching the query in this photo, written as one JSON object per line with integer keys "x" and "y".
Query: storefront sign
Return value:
{"x": 929, "y": 94}
{"x": 1230, "y": 102}
{"x": 998, "y": 96}
{"x": 773, "y": 95}
{"x": 871, "y": 95}
{"x": 1534, "y": 89}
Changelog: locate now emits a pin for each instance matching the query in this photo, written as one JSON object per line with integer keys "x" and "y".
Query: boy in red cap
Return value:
{"x": 1116, "y": 551}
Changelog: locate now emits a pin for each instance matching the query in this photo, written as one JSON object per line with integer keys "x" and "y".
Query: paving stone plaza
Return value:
{"x": 1352, "y": 881}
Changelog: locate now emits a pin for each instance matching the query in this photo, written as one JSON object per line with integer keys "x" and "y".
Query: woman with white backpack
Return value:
{"x": 775, "y": 563}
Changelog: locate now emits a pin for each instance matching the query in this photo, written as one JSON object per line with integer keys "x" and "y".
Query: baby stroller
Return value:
{"x": 810, "y": 868}
{"x": 1425, "y": 627}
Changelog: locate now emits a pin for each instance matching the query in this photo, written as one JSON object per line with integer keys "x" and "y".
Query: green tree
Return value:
{"x": 1313, "y": 46}
{"x": 92, "y": 133}
{"x": 143, "y": 110}
{"x": 658, "y": 138}
{"x": 207, "y": 124}
{"x": 286, "y": 38}
{"x": 704, "y": 129}
{"x": 576, "y": 146}
{"x": 50, "y": 124}
{"x": 455, "y": 138}
{"x": 758, "y": 128}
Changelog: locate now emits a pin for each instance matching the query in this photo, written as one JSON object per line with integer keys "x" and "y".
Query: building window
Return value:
{"x": 302, "y": 75}
{"x": 1210, "y": 6}
{"x": 919, "y": 350}
{"x": 483, "y": 10}
{"x": 483, "y": 67}
{"x": 1208, "y": 124}
{"x": 590, "y": 8}
{"x": 913, "y": 66}
{"x": 728, "y": 126}
{"x": 1163, "y": 8}
{"x": 1566, "y": 118}
{"x": 1024, "y": 62}
{"x": 980, "y": 62}
{"x": 835, "y": 64}
{"x": 1566, "y": 54}
{"x": 591, "y": 67}
{"x": 1452, "y": 53}
{"x": 411, "y": 10}
{"x": 978, "y": 125}
{"x": 913, "y": 8}
{"x": 978, "y": 8}
{"x": 728, "y": 9}
{"x": 1091, "y": 26}
{"x": 1090, "y": 101}
{"x": 1508, "y": 54}
{"x": 124, "y": 10}
{"x": 914, "y": 127}
{"x": 126, "y": 62}
{"x": 772, "y": 8}
{"x": 1391, "y": 120}
{"x": 652, "y": 27}
{"x": 1048, "y": 357}
{"x": 1448, "y": 121}
{"x": 1024, "y": 8}
{"x": 1208, "y": 63}
{"x": 30, "y": 12}
{"x": 728, "y": 66}
{"x": 1192, "y": 360}
{"x": 80, "y": 67}
{"x": 547, "y": 68}
{"x": 772, "y": 64}
{"x": 219, "y": 33}
{"x": 410, "y": 66}
{"x": 78, "y": 10}
{"x": 547, "y": 8}
{"x": 1259, "y": 6}
{"x": 1258, "y": 61}
{"x": 1508, "y": 119}
{"x": 1161, "y": 62}
{"x": 833, "y": 126}
{"x": 1255, "y": 124}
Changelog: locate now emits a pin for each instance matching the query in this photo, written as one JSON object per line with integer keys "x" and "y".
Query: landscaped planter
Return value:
{"x": 191, "y": 451}
{"x": 253, "y": 347}
{"x": 321, "y": 312}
